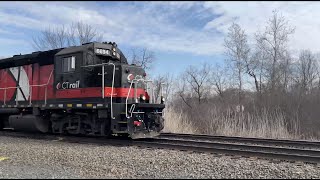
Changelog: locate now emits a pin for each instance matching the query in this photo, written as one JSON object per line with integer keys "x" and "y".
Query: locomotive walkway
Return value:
{"x": 302, "y": 151}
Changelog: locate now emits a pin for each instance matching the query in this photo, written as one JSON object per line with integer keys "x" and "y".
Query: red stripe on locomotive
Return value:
{"x": 96, "y": 92}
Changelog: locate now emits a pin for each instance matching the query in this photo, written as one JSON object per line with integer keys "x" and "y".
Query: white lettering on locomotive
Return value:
{"x": 68, "y": 85}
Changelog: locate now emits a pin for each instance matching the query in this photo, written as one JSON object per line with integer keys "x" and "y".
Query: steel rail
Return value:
{"x": 237, "y": 152}
{"x": 260, "y": 141}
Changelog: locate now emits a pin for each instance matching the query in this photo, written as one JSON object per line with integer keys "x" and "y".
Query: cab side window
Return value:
{"x": 68, "y": 64}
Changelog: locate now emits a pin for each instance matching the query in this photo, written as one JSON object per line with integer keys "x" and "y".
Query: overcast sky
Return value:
{"x": 180, "y": 33}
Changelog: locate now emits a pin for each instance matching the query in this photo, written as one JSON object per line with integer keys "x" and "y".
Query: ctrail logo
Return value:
{"x": 68, "y": 85}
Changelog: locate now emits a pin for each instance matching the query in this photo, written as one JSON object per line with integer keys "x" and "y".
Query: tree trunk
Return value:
{"x": 240, "y": 86}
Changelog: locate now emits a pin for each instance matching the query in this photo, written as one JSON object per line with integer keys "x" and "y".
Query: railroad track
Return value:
{"x": 260, "y": 141}
{"x": 291, "y": 150}
{"x": 193, "y": 143}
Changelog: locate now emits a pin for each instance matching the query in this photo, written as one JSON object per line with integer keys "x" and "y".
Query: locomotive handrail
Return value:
{"x": 5, "y": 93}
{"x": 147, "y": 88}
{"x": 137, "y": 80}
{"x": 132, "y": 109}
{"x": 30, "y": 96}
{"x": 114, "y": 71}
{"x": 45, "y": 96}
{"x": 11, "y": 87}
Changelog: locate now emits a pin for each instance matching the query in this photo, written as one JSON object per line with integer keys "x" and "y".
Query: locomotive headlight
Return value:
{"x": 142, "y": 97}
{"x": 114, "y": 49}
{"x": 114, "y": 53}
{"x": 162, "y": 99}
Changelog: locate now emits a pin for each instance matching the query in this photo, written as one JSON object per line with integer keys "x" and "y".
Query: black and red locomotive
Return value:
{"x": 89, "y": 89}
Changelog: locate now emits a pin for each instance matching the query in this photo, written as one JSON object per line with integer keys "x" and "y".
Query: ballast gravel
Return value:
{"x": 31, "y": 158}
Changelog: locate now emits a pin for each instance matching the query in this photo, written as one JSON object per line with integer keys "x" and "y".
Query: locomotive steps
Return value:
{"x": 302, "y": 151}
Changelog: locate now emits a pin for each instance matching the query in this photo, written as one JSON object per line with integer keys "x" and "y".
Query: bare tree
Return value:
{"x": 273, "y": 42}
{"x": 164, "y": 83}
{"x": 198, "y": 79}
{"x": 168, "y": 82}
{"x": 218, "y": 79}
{"x": 143, "y": 58}
{"x": 286, "y": 71}
{"x": 255, "y": 69}
{"x": 182, "y": 90}
{"x": 76, "y": 34}
{"x": 237, "y": 51}
{"x": 307, "y": 70}
{"x": 86, "y": 33}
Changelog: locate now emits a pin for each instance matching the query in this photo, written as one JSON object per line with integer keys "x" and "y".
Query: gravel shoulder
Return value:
{"x": 30, "y": 158}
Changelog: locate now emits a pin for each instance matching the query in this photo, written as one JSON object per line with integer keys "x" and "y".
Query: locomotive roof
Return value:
{"x": 41, "y": 57}
{"x": 91, "y": 46}
{"x": 47, "y": 57}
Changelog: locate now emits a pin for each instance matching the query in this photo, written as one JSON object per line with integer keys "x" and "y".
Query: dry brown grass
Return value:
{"x": 263, "y": 124}
{"x": 177, "y": 122}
